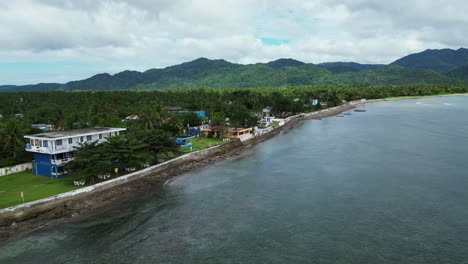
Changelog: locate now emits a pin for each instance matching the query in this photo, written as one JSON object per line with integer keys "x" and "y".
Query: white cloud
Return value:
{"x": 114, "y": 35}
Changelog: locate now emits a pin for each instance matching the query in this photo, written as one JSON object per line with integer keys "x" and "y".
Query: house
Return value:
{"x": 131, "y": 117}
{"x": 266, "y": 110}
{"x": 173, "y": 108}
{"x": 238, "y": 132}
{"x": 184, "y": 142}
{"x": 266, "y": 121}
{"x": 213, "y": 130}
{"x": 54, "y": 149}
{"x": 43, "y": 127}
{"x": 193, "y": 131}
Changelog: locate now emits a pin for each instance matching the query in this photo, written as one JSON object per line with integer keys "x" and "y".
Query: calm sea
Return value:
{"x": 389, "y": 185}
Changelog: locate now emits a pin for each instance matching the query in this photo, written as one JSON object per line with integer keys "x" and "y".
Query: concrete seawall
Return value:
{"x": 21, "y": 219}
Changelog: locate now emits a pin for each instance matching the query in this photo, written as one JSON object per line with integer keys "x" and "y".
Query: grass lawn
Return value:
{"x": 200, "y": 143}
{"x": 34, "y": 187}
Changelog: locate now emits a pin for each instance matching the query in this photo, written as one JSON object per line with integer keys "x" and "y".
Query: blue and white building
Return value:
{"x": 53, "y": 150}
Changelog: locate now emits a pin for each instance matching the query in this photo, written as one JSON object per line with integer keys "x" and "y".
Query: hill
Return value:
{"x": 460, "y": 73}
{"x": 442, "y": 61}
{"x": 394, "y": 75}
{"x": 340, "y": 67}
{"x": 422, "y": 68}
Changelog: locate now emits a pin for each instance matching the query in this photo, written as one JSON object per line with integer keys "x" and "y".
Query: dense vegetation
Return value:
{"x": 442, "y": 61}
{"x": 428, "y": 67}
{"x": 70, "y": 110}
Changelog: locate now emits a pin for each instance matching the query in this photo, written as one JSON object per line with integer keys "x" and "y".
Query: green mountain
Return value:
{"x": 394, "y": 75}
{"x": 460, "y": 73}
{"x": 443, "y": 60}
{"x": 341, "y": 67}
{"x": 205, "y": 73}
{"x": 281, "y": 63}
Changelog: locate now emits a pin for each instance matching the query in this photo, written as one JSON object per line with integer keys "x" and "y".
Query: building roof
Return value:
{"x": 75, "y": 132}
{"x": 266, "y": 109}
{"x": 211, "y": 129}
{"x": 239, "y": 129}
{"x": 172, "y": 108}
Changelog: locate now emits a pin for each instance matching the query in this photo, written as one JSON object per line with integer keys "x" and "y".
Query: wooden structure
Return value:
{"x": 213, "y": 129}
{"x": 238, "y": 132}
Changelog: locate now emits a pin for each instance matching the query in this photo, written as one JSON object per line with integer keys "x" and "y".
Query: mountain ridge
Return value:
{"x": 219, "y": 73}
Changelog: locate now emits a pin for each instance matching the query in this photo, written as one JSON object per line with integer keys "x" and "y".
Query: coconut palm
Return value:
{"x": 12, "y": 135}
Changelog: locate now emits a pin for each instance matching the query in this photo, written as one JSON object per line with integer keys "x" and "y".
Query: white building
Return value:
{"x": 52, "y": 150}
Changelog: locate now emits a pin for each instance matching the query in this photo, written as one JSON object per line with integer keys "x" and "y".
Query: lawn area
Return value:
{"x": 34, "y": 187}
{"x": 200, "y": 143}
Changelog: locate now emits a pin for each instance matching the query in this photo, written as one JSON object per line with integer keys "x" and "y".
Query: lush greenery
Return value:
{"x": 34, "y": 188}
{"x": 135, "y": 150}
{"x": 442, "y": 61}
{"x": 428, "y": 67}
{"x": 200, "y": 143}
{"x": 71, "y": 110}
{"x": 460, "y": 73}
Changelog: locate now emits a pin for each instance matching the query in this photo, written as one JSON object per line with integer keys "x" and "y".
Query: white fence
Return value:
{"x": 15, "y": 169}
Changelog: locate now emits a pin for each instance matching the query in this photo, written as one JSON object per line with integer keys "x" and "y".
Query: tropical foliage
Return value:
{"x": 152, "y": 134}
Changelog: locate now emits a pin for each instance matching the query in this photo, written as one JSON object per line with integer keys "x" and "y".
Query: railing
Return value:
{"x": 61, "y": 161}
{"x": 38, "y": 149}
{"x": 56, "y": 174}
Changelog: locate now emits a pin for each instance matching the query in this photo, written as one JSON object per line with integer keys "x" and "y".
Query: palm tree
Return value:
{"x": 12, "y": 133}
{"x": 58, "y": 120}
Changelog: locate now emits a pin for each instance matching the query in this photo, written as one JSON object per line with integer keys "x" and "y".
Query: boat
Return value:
{"x": 340, "y": 116}
{"x": 347, "y": 114}
{"x": 359, "y": 110}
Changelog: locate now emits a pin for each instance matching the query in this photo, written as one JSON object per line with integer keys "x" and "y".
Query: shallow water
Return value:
{"x": 386, "y": 186}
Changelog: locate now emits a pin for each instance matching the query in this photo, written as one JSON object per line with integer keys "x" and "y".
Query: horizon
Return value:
{"x": 116, "y": 35}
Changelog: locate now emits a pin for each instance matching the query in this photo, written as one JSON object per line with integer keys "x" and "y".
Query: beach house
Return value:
{"x": 53, "y": 150}
{"x": 234, "y": 133}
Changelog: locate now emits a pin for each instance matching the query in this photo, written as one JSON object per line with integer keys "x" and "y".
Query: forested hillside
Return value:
{"x": 428, "y": 67}
{"x": 442, "y": 61}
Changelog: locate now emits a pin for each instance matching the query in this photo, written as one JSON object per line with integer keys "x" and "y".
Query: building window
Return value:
{"x": 46, "y": 144}
{"x": 70, "y": 141}
{"x": 58, "y": 142}
{"x": 100, "y": 136}
{"x": 81, "y": 139}
{"x": 89, "y": 138}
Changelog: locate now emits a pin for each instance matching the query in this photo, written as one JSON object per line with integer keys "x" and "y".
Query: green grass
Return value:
{"x": 274, "y": 123}
{"x": 34, "y": 187}
{"x": 200, "y": 143}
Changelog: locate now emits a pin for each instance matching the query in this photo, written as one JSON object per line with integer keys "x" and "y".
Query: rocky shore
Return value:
{"x": 19, "y": 220}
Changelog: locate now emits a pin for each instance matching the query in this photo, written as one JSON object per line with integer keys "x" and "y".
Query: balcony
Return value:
{"x": 61, "y": 161}
{"x": 38, "y": 149}
{"x": 50, "y": 150}
{"x": 58, "y": 174}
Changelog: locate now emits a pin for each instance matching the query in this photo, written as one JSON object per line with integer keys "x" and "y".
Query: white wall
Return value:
{"x": 15, "y": 169}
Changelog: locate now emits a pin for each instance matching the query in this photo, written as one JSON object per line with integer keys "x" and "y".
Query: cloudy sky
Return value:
{"x": 63, "y": 40}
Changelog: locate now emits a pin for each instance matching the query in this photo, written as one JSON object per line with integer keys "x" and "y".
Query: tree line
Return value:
{"x": 82, "y": 109}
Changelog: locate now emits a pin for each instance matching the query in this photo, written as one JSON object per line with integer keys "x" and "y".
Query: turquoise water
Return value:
{"x": 386, "y": 186}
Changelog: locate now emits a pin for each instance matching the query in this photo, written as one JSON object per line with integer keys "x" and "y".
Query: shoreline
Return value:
{"x": 20, "y": 220}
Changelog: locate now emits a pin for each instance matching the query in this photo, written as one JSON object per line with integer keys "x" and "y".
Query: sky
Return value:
{"x": 65, "y": 40}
